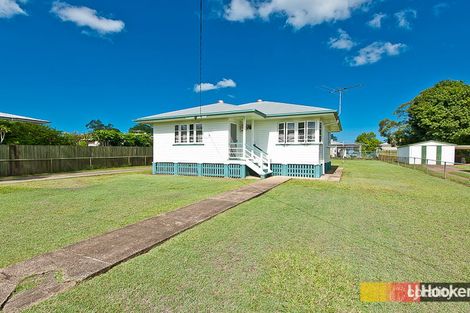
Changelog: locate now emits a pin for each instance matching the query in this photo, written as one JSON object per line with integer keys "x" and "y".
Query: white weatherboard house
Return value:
{"x": 261, "y": 138}
{"x": 427, "y": 152}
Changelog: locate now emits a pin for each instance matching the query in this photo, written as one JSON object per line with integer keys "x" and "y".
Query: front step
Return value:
{"x": 263, "y": 173}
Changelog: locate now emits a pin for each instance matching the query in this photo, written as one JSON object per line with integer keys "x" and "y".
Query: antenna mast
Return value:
{"x": 340, "y": 91}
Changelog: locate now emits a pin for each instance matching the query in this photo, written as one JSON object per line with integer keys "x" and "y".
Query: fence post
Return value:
{"x": 91, "y": 165}
{"x": 445, "y": 170}
{"x": 51, "y": 166}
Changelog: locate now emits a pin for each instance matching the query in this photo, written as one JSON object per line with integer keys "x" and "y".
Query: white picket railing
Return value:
{"x": 250, "y": 153}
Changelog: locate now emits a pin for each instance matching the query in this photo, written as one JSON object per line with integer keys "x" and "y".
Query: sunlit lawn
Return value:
{"x": 304, "y": 246}
{"x": 43, "y": 216}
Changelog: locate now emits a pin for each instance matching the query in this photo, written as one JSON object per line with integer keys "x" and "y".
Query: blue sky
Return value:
{"x": 73, "y": 61}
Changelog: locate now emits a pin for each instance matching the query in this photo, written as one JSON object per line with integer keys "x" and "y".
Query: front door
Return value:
{"x": 233, "y": 133}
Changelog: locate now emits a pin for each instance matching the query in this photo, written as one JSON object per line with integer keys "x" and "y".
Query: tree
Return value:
{"x": 3, "y": 132}
{"x": 369, "y": 141}
{"x": 98, "y": 125}
{"x": 137, "y": 140}
{"x": 21, "y": 133}
{"x": 141, "y": 128}
{"x": 441, "y": 112}
{"x": 388, "y": 129}
{"x": 107, "y": 137}
{"x": 333, "y": 137}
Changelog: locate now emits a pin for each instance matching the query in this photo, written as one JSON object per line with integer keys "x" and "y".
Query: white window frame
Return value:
{"x": 198, "y": 127}
{"x": 311, "y": 139}
{"x": 294, "y": 130}
{"x": 177, "y": 134}
{"x": 283, "y": 132}
{"x": 194, "y": 134}
{"x": 303, "y": 139}
{"x": 281, "y": 138}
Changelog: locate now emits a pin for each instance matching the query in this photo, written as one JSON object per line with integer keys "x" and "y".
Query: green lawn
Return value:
{"x": 42, "y": 216}
{"x": 304, "y": 246}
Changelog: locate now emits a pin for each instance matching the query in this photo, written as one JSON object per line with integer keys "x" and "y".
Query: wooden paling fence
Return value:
{"x": 17, "y": 160}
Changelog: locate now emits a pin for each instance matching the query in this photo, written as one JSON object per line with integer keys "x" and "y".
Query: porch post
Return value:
{"x": 244, "y": 137}
{"x": 253, "y": 132}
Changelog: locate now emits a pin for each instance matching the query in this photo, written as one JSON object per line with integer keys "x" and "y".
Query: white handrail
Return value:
{"x": 256, "y": 155}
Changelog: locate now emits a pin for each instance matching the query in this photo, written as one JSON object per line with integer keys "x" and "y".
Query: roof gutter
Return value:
{"x": 162, "y": 119}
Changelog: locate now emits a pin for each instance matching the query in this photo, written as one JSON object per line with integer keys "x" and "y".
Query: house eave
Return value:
{"x": 145, "y": 120}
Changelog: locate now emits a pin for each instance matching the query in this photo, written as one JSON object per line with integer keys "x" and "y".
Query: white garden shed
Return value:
{"x": 427, "y": 152}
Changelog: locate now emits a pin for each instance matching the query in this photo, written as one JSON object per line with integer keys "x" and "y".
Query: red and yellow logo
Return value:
{"x": 389, "y": 292}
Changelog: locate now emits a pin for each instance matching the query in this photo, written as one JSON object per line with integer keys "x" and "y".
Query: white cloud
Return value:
{"x": 240, "y": 10}
{"x": 376, "y": 21}
{"x": 10, "y": 8}
{"x": 403, "y": 18}
{"x": 224, "y": 83}
{"x": 299, "y": 13}
{"x": 342, "y": 42}
{"x": 375, "y": 52}
{"x": 439, "y": 7}
{"x": 86, "y": 17}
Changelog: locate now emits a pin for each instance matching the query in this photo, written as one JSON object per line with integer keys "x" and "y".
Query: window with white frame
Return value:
{"x": 199, "y": 133}
{"x": 311, "y": 131}
{"x": 297, "y": 132}
{"x": 290, "y": 134}
{"x": 177, "y": 133}
{"x": 281, "y": 132}
{"x": 188, "y": 133}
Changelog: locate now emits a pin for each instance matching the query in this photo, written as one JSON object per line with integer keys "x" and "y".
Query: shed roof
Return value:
{"x": 19, "y": 118}
{"x": 429, "y": 143}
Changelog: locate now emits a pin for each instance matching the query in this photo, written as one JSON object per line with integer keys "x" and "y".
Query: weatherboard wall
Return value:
{"x": 213, "y": 149}
{"x": 266, "y": 137}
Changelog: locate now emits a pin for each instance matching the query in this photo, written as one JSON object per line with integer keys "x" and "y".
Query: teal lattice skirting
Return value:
{"x": 298, "y": 170}
{"x": 200, "y": 169}
{"x": 237, "y": 170}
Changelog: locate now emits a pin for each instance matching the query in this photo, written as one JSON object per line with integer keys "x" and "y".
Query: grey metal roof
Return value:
{"x": 263, "y": 108}
{"x": 276, "y": 108}
{"x": 19, "y": 118}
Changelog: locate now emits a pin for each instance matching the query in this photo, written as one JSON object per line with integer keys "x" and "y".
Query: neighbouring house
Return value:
{"x": 345, "y": 150}
{"x": 261, "y": 138}
{"x": 387, "y": 147}
{"x": 19, "y": 118}
{"x": 427, "y": 152}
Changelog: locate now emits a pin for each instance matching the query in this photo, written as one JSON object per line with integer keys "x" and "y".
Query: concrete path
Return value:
{"x": 334, "y": 175}
{"x": 60, "y": 270}
{"x": 23, "y": 179}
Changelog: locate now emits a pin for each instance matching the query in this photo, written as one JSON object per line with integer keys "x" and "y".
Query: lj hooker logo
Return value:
{"x": 414, "y": 292}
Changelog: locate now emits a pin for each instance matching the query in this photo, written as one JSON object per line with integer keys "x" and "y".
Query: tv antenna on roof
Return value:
{"x": 340, "y": 91}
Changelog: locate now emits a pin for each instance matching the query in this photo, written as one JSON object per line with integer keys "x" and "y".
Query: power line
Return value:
{"x": 201, "y": 28}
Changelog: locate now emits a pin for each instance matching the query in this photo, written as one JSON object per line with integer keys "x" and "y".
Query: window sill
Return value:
{"x": 188, "y": 144}
{"x": 299, "y": 144}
